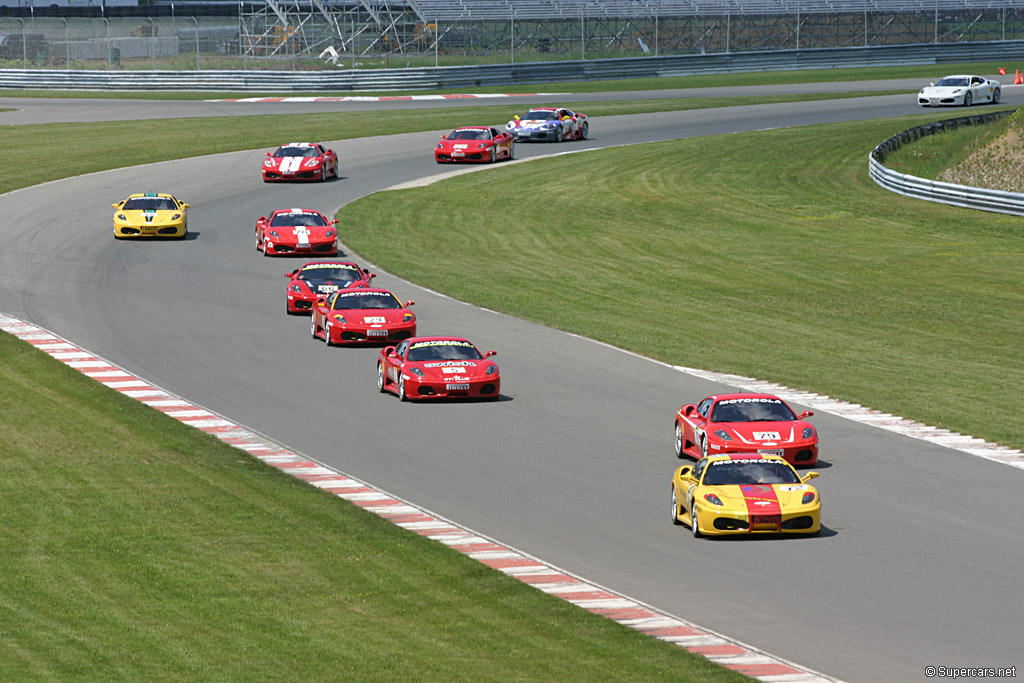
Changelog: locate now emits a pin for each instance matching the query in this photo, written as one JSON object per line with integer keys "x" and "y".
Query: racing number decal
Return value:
{"x": 302, "y": 233}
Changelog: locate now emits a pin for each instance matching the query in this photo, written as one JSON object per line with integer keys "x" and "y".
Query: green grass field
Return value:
{"x": 768, "y": 254}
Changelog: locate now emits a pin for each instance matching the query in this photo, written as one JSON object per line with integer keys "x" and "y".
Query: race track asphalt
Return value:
{"x": 919, "y": 557}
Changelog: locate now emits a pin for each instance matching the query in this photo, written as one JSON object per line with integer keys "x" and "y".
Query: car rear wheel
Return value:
{"x": 968, "y": 99}
{"x": 584, "y": 131}
{"x": 704, "y": 446}
{"x": 312, "y": 325}
{"x": 694, "y": 526}
{"x": 380, "y": 377}
{"x": 494, "y": 154}
{"x": 996, "y": 95}
{"x": 401, "y": 388}
{"x": 511, "y": 150}
{"x": 675, "y": 508}
{"x": 679, "y": 440}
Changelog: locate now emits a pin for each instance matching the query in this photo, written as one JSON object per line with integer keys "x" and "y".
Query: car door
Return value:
{"x": 393, "y": 363}
{"x": 700, "y": 420}
{"x": 502, "y": 141}
{"x": 692, "y": 480}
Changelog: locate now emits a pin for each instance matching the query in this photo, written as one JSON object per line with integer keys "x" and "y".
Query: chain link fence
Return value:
{"x": 303, "y": 36}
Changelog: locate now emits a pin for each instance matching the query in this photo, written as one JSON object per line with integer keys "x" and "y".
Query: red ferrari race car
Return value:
{"x": 296, "y": 231}
{"x": 300, "y": 161}
{"x": 320, "y": 279}
{"x": 362, "y": 315}
{"x": 437, "y": 367}
{"x": 475, "y": 143}
{"x": 746, "y": 423}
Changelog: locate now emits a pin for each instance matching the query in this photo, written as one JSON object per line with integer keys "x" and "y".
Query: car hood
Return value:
{"x": 938, "y": 91}
{"x": 763, "y": 433}
{"x": 291, "y": 164}
{"x": 464, "y": 144}
{"x": 324, "y": 287}
{"x": 754, "y": 497}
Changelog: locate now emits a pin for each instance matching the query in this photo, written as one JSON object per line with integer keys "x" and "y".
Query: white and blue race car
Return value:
{"x": 552, "y": 124}
{"x": 960, "y": 90}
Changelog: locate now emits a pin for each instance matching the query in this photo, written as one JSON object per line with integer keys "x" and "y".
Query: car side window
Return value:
{"x": 705, "y": 407}
{"x": 699, "y": 468}
{"x": 401, "y": 349}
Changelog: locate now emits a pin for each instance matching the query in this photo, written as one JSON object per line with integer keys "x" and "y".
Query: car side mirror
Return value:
{"x": 806, "y": 413}
{"x": 262, "y": 218}
{"x": 334, "y": 221}
{"x": 688, "y": 410}
{"x": 370, "y": 276}
{"x": 267, "y": 153}
{"x": 442, "y": 137}
{"x": 409, "y": 303}
{"x": 116, "y": 206}
{"x": 809, "y": 476}
{"x": 184, "y": 205}
{"x": 490, "y": 353}
{"x": 389, "y": 351}
{"x": 684, "y": 472}
{"x": 321, "y": 300}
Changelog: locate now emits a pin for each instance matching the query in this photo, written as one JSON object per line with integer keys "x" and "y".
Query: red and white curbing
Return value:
{"x": 389, "y": 98}
{"x": 720, "y": 649}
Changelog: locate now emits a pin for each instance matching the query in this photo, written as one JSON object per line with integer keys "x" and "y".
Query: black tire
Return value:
{"x": 704, "y": 446}
{"x": 679, "y": 441}
{"x": 312, "y": 325}
{"x": 675, "y": 508}
{"x": 401, "y": 389}
{"x": 694, "y": 529}
{"x": 380, "y": 377}
{"x": 494, "y": 154}
{"x": 512, "y": 150}
{"x": 968, "y": 99}
{"x": 584, "y": 131}
{"x": 996, "y": 96}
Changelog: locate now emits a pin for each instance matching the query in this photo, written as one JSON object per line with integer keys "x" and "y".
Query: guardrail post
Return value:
{"x": 110, "y": 57}
{"x": 655, "y": 31}
{"x": 512, "y": 35}
{"x": 196, "y": 22}
{"x": 152, "y": 34}
{"x": 728, "y": 28}
{"x": 24, "y": 49}
{"x": 437, "y": 33}
{"x": 67, "y": 46}
{"x": 583, "y": 35}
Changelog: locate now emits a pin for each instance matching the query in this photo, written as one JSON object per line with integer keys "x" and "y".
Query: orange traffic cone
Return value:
{"x": 1002, "y": 71}
{"x": 1018, "y": 79}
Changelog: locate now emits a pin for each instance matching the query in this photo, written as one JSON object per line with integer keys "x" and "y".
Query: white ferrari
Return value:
{"x": 960, "y": 90}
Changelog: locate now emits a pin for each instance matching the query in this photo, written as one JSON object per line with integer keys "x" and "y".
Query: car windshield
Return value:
{"x": 752, "y": 410}
{"x": 541, "y": 115}
{"x": 288, "y": 219}
{"x": 731, "y": 472}
{"x": 150, "y": 204}
{"x": 332, "y": 271}
{"x": 351, "y": 301}
{"x": 470, "y": 134}
{"x": 951, "y": 81}
{"x": 297, "y": 152}
{"x": 443, "y": 350}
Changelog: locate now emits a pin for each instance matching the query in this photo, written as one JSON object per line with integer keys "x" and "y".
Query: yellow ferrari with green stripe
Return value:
{"x": 153, "y": 214}
{"x": 745, "y": 494}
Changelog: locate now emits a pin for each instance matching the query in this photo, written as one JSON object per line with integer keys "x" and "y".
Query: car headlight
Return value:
{"x": 713, "y": 499}
{"x": 723, "y": 435}
{"x": 175, "y": 216}
{"x": 408, "y": 317}
{"x": 491, "y": 369}
{"x": 313, "y": 162}
{"x": 295, "y": 288}
{"x": 416, "y": 371}
{"x": 122, "y": 217}
{"x": 808, "y": 432}
{"x": 548, "y": 126}
{"x": 273, "y": 233}
{"x": 808, "y": 497}
{"x": 440, "y": 146}
{"x": 340, "y": 318}
{"x": 509, "y": 126}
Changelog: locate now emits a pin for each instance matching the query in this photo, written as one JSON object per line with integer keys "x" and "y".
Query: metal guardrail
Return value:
{"x": 339, "y": 80}
{"x": 932, "y": 190}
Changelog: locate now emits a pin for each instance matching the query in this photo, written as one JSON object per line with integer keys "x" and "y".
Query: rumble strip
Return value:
{"x": 530, "y": 570}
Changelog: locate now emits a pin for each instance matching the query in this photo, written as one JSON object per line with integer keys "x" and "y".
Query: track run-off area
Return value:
{"x": 918, "y": 560}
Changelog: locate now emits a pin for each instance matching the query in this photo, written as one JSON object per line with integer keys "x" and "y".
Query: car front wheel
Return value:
{"x": 380, "y": 377}
{"x": 312, "y": 325}
{"x": 679, "y": 440}
{"x": 401, "y": 388}
{"x": 675, "y": 507}
{"x": 694, "y": 526}
{"x": 704, "y": 447}
{"x": 584, "y": 131}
